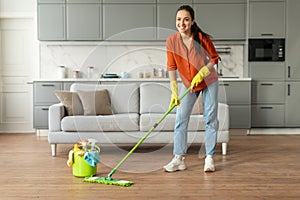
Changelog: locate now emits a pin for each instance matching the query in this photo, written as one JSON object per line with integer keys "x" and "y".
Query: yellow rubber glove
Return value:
{"x": 70, "y": 158}
{"x": 174, "y": 96}
{"x": 203, "y": 72}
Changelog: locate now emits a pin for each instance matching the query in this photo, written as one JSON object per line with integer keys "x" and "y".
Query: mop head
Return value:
{"x": 107, "y": 181}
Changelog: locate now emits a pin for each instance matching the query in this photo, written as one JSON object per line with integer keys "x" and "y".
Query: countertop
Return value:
{"x": 127, "y": 80}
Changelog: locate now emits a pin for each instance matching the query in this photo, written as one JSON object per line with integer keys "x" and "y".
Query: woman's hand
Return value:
{"x": 203, "y": 72}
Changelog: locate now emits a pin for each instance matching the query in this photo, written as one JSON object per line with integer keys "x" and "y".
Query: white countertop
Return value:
{"x": 125, "y": 79}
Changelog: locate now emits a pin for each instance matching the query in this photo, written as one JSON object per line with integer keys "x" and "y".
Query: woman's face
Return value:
{"x": 184, "y": 21}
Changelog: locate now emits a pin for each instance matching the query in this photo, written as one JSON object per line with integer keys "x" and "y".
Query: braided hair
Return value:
{"x": 195, "y": 29}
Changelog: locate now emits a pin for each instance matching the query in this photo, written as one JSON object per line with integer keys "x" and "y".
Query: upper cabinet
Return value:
{"x": 84, "y": 21}
{"x": 129, "y": 1}
{"x": 267, "y": 19}
{"x": 176, "y": 1}
{"x": 129, "y": 21}
{"x": 51, "y": 21}
{"x": 292, "y": 40}
{"x": 223, "y": 21}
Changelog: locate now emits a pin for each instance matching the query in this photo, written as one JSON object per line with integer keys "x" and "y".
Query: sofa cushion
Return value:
{"x": 117, "y": 122}
{"x": 155, "y": 97}
{"x": 95, "y": 102}
{"x": 71, "y": 102}
{"x": 124, "y": 97}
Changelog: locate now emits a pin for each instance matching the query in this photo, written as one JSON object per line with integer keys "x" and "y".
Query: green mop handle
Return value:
{"x": 147, "y": 134}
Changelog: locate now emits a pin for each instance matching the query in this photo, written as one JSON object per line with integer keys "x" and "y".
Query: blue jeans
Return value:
{"x": 210, "y": 113}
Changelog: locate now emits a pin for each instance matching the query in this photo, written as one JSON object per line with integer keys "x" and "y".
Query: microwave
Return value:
{"x": 266, "y": 50}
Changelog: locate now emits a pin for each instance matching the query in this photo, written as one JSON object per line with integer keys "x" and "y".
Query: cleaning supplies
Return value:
{"x": 83, "y": 158}
{"x": 108, "y": 180}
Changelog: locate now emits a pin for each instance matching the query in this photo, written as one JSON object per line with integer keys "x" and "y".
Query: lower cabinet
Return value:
{"x": 237, "y": 94}
{"x": 292, "y": 108}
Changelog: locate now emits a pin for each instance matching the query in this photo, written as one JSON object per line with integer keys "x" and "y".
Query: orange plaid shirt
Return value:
{"x": 188, "y": 63}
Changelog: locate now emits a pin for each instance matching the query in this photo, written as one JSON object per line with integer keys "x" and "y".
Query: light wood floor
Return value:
{"x": 256, "y": 167}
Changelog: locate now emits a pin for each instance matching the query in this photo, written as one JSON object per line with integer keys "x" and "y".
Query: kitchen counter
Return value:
{"x": 127, "y": 79}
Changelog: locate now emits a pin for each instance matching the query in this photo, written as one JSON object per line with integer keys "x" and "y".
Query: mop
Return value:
{"x": 108, "y": 180}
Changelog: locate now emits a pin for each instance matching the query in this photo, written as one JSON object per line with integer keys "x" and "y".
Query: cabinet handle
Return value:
{"x": 266, "y": 84}
{"x": 266, "y": 107}
{"x": 45, "y": 108}
{"x": 289, "y": 71}
{"x": 266, "y": 34}
{"x": 289, "y": 90}
{"x": 224, "y": 84}
{"x": 48, "y": 85}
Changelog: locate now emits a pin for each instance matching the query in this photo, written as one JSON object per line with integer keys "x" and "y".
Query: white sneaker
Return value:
{"x": 176, "y": 164}
{"x": 209, "y": 164}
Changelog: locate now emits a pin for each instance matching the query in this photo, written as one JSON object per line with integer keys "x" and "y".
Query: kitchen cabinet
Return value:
{"x": 51, "y": 1}
{"x": 84, "y": 21}
{"x": 51, "y": 21}
{"x": 292, "y": 108}
{"x": 166, "y": 22}
{"x": 267, "y": 70}
{"x": 223, "y": 21}
{"x": 268, "y": 94}
{"x": 129, "y": 21}
{"x": 129, "y": 1}
{"x": 267, "y": 19}
{"x": 237, "y": 94}
{"x": 176, "y": 1}
{"x": 292, "y": 40}
{"x": 43, "y": 97}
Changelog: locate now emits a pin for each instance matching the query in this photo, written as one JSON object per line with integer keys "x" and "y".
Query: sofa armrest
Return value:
{"x": 223, "y": 113}
{"x": 56, "y": 113}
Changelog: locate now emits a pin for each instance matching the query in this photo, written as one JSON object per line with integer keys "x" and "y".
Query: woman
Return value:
{"x": 191, "y": 52}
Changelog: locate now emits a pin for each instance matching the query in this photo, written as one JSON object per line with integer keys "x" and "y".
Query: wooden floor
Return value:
{"x": 256, "y": 167}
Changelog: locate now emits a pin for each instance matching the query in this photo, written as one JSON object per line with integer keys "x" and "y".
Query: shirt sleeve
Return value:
{"x": 171, "y": 64}
{"x": 210, "y": 49}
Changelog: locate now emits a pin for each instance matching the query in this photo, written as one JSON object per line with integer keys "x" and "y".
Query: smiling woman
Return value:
{"x": 192, "y": 53}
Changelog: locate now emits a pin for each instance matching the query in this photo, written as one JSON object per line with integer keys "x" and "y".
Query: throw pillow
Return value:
{"x": 95, "y": 102}
{"x": 71, "y": 102}
{"x": 198, "y": 107}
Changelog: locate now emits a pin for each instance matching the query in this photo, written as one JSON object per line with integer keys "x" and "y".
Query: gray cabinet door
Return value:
{"x": 267, "y": 116}
{"x": 235, "y": 92}
{"x": 51, "y": 22}
{"x": 41, "y": 117}
{"x": 267, "y": 70}
{"x": 129, "y": 22}
{"x": 84, "y": 22}
{"x": 222, "y": 21}
{"x": 240, "y": 116}
{"x": 292, "y": 40}
{"x": 176, "y": 1}
{"x": 268, "y": 92}
{"x": 165, "y": 20}
{"x": 292, "y": 108}
{"x": 129, "y": 1}
{"x": 267, "y": 19}
{"x": 43, "y": 93}
{"x": 51, "y": 1}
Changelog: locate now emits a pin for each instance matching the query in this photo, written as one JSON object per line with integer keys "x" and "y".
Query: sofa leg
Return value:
{"x": 224, "y": 148}
{"x": 53, "y": 150}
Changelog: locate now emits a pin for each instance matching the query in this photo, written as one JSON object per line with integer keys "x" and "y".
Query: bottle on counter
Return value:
{"x": 90, "y": 71}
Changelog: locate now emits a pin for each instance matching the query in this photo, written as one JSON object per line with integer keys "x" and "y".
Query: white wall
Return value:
{"x": 17, "y": 6}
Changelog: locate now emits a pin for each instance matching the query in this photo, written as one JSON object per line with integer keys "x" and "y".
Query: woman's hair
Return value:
{"x": 195, "y": 29}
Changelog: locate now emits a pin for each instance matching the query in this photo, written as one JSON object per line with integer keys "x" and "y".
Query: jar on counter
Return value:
{"x": 76, "y": 74}
{"x": 61, "y": 72}
{"x": 90, "y": 72}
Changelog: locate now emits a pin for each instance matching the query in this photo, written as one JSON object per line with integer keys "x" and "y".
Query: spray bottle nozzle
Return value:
{"x": 93, "y": 143}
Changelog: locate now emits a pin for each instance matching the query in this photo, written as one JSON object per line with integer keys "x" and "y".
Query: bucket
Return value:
{"x": 81, "y": 168}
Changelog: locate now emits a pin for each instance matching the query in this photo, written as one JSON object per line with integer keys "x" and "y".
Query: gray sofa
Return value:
{"x": 135, "y": 110}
